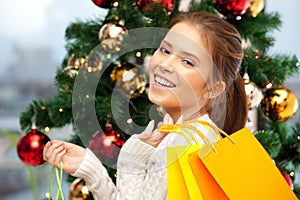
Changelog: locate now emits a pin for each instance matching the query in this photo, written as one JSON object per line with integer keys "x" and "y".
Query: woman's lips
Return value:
{"x": 163, "y": 82}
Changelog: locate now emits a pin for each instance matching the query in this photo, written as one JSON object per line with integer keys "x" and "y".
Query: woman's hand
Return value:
{"x": 153, "y": 138}
{"x": 69, "y": 154}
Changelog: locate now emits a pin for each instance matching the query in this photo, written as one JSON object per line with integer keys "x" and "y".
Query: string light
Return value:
{"x": 116, "y": 18}
{"x": 47, "y": 195}
{"x": 47, "y": 129}
{"x": 108, "y": 56}
{"x": 116, "y": 4}
{"x": 122, "y": 22}
{"x": 138, "y": 54}
{"x": 269, "y": 85}
{"x": 61, "y": 110}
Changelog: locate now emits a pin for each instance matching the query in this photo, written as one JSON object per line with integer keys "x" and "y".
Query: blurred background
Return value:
{"x": 32, "y": 48}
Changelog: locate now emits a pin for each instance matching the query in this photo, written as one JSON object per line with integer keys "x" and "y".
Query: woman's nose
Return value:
{"x": 168, "y": 64}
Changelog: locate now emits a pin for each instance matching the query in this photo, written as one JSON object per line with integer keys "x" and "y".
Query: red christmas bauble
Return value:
{"x": 103, "y": 3}
{"x": 30, "y": 147}
{"x": 106, "y": 145}
{"x": 288, "y": 179}
{"x": 115, "y": 136}
{"x": 232, "y": 8}
{"x": 148, "y": 4}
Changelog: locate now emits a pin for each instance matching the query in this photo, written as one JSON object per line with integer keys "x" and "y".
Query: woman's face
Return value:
{"x": 178, "y": 70}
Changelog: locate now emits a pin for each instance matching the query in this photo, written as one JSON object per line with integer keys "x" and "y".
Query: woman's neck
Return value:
{"x": 186, "y": 115}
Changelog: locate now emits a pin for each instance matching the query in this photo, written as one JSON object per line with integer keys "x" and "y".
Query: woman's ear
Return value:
{"x": 215, "y": 91}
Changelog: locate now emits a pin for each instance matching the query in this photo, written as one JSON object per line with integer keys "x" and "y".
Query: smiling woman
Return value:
{"x": 191, "y": 79}
{"x": 179, "y": 70}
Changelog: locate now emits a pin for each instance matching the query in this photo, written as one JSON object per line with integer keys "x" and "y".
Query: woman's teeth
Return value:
{"x": 163, "y": 82}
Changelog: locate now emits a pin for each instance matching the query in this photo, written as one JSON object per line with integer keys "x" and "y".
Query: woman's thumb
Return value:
{"x": 149, "y": 129}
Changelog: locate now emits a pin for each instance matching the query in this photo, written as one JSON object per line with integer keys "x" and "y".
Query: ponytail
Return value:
{"x": 236, "y": 108}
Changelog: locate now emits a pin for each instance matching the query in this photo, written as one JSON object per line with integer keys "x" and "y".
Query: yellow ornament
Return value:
{"x": 129, "y": 79}
{"x": 256, "y": 6}
{"x": 78, "y": 190}
{"x": 73, "y": 65}
{"x": 254, "y": 94}
{"x": 279, "y": 104}
{"x": 93, "y": 62}
{"x": 111, "y": 36}
{"x": 77, "y": 63}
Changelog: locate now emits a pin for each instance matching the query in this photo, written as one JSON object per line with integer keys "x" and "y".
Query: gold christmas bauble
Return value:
{"x": 129, "y": 79}
{"x": 279, "y": 104}
{"x": 78, "y": 190}
{"x": 253, "y": 92}
{"x": 71, "y": 71}
{"x": 111, "y": 36}
{"x": 93, "y": 62}
{"x": 256, "y": 6}
{"x": 73, "y": 65}
{"x": 77, "y": 63}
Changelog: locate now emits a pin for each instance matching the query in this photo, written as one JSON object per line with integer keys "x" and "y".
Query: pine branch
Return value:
{"x": 270, "y": 141}
{"x": 262, "y": 68}
{"x": 82, "y": 36}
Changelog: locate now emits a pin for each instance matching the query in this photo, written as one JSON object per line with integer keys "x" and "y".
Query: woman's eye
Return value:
{"x": 188, "y": 62}
{"x": 164, "y": 50}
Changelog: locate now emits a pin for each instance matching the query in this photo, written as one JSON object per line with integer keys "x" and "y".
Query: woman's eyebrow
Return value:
{"x": 166, "y": 42}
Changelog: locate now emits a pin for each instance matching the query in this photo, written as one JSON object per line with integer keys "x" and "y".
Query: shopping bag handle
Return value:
{"x": 217, "y": 129}
{"x": 175, "y": 128}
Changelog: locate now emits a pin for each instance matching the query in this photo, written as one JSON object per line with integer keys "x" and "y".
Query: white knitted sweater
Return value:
{"x": 141, "y": 169}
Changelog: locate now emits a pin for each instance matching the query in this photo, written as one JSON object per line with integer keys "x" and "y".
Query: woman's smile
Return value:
{"x": 163, "y": 82}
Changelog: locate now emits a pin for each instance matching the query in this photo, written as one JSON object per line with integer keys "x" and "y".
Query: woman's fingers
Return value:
{"x": 46, "y": 147}
{"x": 56, "y": 151}
{"x": 53, "y": 152}
{"x": 148, "y": 131}
{"x": 58, "y": 158}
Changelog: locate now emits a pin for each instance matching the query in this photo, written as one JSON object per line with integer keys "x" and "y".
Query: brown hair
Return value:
{"x": 223, "y": 43}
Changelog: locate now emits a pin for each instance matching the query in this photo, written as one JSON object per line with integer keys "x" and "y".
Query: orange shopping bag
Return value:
{"x": 236, "y": 168}
{"x": 184, "y": 168}
{"x": 244, "y": 170}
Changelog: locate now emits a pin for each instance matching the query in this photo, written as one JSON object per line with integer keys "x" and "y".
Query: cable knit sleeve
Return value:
{"x": 132, "y": 168}
{"x": 97, "y": 179}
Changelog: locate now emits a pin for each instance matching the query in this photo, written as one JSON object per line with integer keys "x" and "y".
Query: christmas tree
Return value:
{"x": 102, "y": 82}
